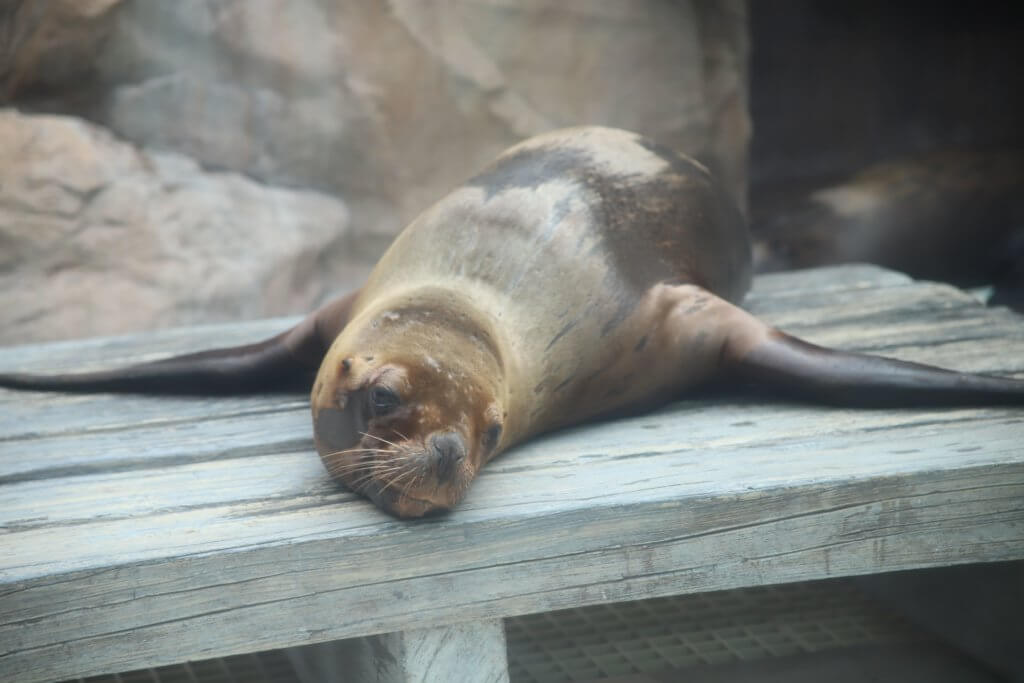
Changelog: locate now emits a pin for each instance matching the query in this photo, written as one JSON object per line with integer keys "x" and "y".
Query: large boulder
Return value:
{"x": 389, "y": 104}
{"x": 386, "y": 104}
{"x": 99, "y": 236}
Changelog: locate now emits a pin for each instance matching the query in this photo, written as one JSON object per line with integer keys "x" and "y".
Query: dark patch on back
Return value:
{"x": 531, "y": 168}
{"x": 640, "y": 344}
{"x": 584, "y": 384}
{"x": 622, "y": 311}
{"x": 620, "y": 386}
{"x": 545, "y": 383}
{"x": 561, "y": 333}
{"x": 649, "y": 224}
{"x": 561, "y": 385}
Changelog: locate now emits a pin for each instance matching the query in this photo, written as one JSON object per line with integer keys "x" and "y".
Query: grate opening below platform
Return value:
{"x": 649, "y": 636}
{"x": 271, "y": 666}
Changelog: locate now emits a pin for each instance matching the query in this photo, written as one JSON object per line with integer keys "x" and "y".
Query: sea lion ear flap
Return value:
{"x": 287, "y": 360}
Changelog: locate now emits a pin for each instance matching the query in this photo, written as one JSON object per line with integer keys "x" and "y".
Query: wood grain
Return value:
{"x": 139, "y": 531}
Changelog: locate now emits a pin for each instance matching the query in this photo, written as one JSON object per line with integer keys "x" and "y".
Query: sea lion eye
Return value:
{"x": 383, "y": 401}
{"x": 491, "y": 436}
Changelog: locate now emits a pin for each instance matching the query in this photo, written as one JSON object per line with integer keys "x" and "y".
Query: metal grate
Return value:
{"x": 646, "y": 636}
{"x": 655, "y": 635}
{"x": 261, "y": 667}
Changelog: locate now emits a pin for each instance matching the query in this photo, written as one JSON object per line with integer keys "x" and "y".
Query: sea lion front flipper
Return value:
{"x": 287, "y": 360}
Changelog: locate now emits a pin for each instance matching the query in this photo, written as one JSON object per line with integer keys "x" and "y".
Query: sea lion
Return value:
{"x": 586, "y": 272}
{"x": 955, "y": 215}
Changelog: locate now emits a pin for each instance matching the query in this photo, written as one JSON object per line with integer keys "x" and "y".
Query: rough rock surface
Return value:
{"x": 389, "y": 104}
{"x": 386, "y": 104}
{"x": 97, "y": 236}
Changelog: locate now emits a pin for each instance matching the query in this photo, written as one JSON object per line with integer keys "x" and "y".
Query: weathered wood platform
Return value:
{"x": 137, "y": 531}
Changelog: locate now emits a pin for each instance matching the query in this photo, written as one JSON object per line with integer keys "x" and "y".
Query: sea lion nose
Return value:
{"x": 449, "y": 451}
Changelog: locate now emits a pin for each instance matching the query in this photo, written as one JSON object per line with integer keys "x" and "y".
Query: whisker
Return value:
{"x": 358, "y": 449}
{"x": 346, "y": 450}
{"x": 360, "y": 464}
{"x": 360, "y": 461}
{"x": 348, "y": 468}
{"x": 394, "y": 480}
{"x": 380, "y": 438}
{"x": 415, "y": 481}
{"x": 402, "y": 468}
{"x": 348, "y": 462}
{"x": 359, "y": 481}
{"x": 356, "y": 457}
{"x": 376, "y": 469}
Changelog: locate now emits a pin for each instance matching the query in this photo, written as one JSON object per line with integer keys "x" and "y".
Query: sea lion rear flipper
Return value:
{"x": 767, "y": 357}
{"x": 287, "y": 360}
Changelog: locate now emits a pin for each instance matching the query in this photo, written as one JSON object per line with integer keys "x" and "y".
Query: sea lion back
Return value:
{"x": 619, "y": 211}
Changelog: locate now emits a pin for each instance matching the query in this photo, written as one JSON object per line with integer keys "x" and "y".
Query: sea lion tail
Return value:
{"x": 286, "y": 361}
{"x": 806, "y": 371}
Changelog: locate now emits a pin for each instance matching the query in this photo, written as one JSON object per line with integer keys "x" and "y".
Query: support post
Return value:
{"x": 474, "y": 652}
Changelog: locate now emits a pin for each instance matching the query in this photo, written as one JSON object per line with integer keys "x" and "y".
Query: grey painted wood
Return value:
{"x": 138, "y": 531}
{"x": 472, "y": 652}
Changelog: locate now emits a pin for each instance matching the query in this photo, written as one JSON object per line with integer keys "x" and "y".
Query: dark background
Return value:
{"x": 838, "y": 85}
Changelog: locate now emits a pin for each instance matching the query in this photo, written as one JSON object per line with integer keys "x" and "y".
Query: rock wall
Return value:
{"x": 100, "y": 237}
{"x": 377, "y": 107}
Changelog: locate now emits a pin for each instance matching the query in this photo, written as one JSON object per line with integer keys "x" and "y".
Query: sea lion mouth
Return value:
{"x": 405, "y": 477}
{"x": 404, "y": 505}
{"x": 429, "y": 478}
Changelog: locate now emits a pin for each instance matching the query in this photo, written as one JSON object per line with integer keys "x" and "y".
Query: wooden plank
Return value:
{"x": 670, "y": 444}
{"x": 39, "y": 414}
{"x": 139, "y": 531}
{"x": 170, "y": 439}
{"x": 540, "y": 562}
{"x": 856, "y": 276}
{"x": 307, "y": 595}
{"x": 87, "y": 354}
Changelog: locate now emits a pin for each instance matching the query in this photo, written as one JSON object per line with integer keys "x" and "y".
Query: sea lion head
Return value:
{"x": 407, "y": 407}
